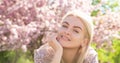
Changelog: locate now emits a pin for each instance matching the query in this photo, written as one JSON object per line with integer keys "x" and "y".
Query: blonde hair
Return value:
{"x": 87, "y": 21}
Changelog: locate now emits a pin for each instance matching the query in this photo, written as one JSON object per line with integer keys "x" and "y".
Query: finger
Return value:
{"x": 54, "y": 43}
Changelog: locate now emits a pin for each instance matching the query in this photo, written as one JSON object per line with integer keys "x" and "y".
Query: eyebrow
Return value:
{"x": 66, "y": 23}
{"x": 74, "y": 26}
{"x": 78, "y": 27}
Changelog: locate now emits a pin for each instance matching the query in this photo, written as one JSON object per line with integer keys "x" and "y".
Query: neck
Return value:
{"x": 69, "y": 55}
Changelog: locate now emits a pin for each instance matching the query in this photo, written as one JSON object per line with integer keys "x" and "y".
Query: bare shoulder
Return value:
{"x": 92, "y": 56}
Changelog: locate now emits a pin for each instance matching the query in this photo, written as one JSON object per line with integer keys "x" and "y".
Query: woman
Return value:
{"x": 72, "y": 42}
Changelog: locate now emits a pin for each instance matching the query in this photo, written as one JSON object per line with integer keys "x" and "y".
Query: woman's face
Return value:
{"x": 71, "y": 33}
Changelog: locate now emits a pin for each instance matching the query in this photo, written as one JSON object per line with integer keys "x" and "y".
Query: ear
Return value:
{"x": 86, "y": 42}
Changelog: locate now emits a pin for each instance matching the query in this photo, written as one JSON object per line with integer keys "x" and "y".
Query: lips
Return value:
{"x": 63, "y": 37}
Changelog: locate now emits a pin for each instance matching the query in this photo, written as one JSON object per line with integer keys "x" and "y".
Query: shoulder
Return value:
{"x": 91, "y": 51}
{"x": 91, "y": 56}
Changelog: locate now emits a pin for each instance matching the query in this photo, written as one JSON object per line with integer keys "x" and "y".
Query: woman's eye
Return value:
{"x": 64, "y": 26}
{"x": 76, "y": 31}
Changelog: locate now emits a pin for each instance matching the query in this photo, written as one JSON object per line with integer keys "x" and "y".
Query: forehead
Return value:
{"x": 74, "y": 20}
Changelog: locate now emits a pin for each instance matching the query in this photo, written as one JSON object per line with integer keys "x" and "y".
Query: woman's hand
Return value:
{"x": 54, "y": 43}
{"x": 57, "y": 48}
{"x": 51, "y": 52}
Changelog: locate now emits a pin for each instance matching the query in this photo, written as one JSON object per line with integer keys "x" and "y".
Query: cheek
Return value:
{"x": 77, "y": 37}
{"x": 61, "y": 30}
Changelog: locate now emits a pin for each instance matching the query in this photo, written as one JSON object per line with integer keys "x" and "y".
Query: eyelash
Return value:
{"x": 67, "y": 27}
{"x": 76, "y": 31}
{"x": 64, "y": 26}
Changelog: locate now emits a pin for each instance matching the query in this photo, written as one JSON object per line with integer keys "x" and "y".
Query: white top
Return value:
{"x": 45, "y": 54}
{"x": 91, "y": 56}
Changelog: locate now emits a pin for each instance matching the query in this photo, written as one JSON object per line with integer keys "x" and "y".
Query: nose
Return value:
{"x": 67, "y": 32}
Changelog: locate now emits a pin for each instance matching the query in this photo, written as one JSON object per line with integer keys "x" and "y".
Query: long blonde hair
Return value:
{"x": 86, "y": 19}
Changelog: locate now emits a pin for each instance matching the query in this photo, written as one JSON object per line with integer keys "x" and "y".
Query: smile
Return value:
{"x": 65, "y": 38}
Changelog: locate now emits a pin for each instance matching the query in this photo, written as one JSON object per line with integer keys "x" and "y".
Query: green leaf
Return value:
{"x": 95, "y": 2}
{"x": 94, "y": 13}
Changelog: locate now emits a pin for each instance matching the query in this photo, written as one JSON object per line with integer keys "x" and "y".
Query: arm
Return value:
{"x": 51, "y": 52}
{"x": 44, "y": 54}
